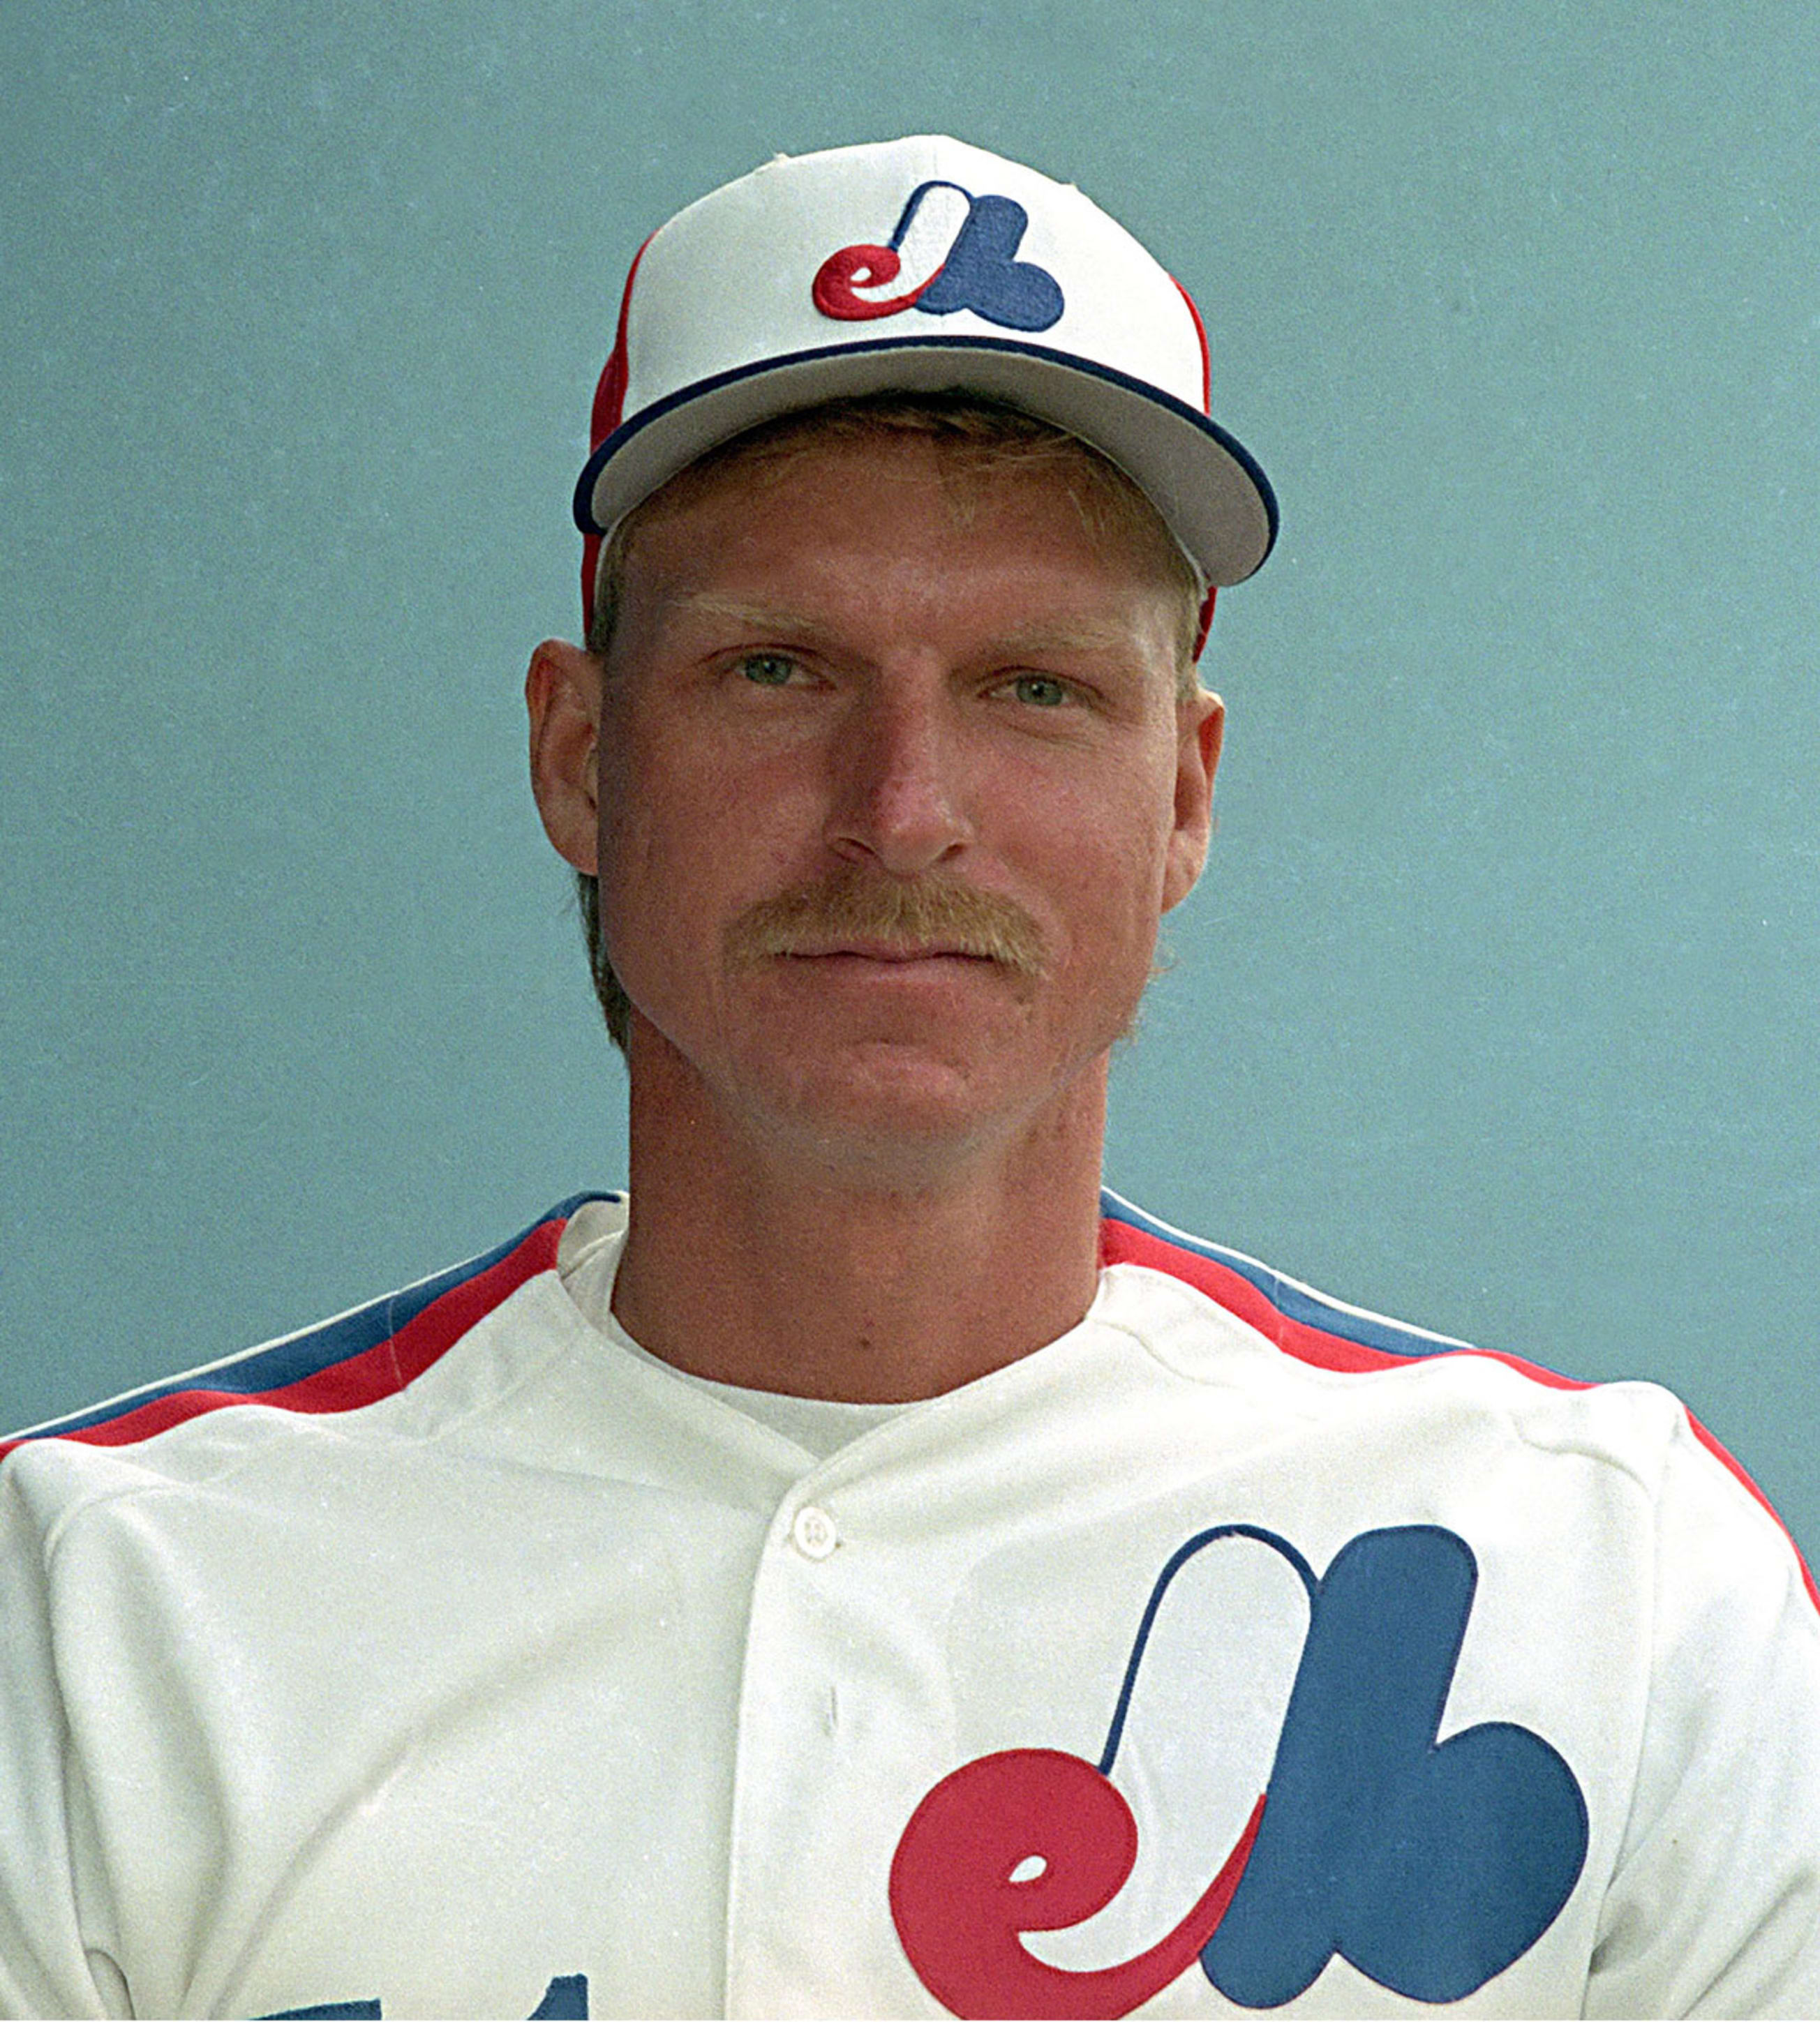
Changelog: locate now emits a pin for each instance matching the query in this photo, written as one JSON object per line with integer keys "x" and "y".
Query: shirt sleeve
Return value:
{"x": 1714, "y": 1907}
{"x": 50, "y": 1964}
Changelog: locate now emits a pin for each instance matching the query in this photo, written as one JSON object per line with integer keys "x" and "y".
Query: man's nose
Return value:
{"x": 898, "y": 795}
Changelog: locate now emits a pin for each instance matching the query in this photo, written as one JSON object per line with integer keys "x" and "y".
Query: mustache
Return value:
{"x": 854, "y": 903}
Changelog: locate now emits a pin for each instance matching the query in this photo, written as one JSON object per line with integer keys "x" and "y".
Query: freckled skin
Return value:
{"x": 840, "y": 673}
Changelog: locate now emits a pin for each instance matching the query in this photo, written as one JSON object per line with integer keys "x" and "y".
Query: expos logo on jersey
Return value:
{"x": 949, "y": 250}
{"x": 1429, "y": 1865}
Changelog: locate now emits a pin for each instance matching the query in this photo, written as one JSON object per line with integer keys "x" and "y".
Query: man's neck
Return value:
{"x": 751, "y": 1266}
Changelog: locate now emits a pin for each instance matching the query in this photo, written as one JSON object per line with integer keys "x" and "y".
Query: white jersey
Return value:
{"x": 1236, "y": 1651}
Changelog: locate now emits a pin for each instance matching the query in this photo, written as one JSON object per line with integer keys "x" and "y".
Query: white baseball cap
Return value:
{"x": 916, "y": 266}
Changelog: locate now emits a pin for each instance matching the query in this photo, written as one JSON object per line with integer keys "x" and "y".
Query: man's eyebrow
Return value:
{"x": 1070, "y": 636}
{"x": 1046, "y": 635}
{"x": 762, "y": 617}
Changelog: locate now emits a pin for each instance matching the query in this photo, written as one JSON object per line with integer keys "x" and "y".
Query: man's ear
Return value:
{"x": 562, "y": 691}
{"x": 1200, "y": 726}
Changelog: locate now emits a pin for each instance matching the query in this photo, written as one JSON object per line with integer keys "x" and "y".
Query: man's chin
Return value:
{"x": 908, "y": 1118}
{"x": 883, "y": 1106}
{"x": 898, "y": 1088}
{"x": 886, "y": 1087}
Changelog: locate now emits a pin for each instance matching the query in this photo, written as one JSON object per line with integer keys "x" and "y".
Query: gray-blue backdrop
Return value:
{"x": 1496, "y": 1008}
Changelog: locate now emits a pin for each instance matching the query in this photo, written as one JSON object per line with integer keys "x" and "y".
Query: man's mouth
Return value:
{"x": 887, "y": 951}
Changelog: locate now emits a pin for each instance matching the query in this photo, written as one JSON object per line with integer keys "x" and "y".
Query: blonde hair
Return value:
{"x": 976, "y": 437}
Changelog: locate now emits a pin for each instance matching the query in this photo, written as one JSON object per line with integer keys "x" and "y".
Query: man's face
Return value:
{"x": 894, "y": 786}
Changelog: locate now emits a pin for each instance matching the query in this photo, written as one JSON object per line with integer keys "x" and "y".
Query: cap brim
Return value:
{"x": 1207, "y": 487}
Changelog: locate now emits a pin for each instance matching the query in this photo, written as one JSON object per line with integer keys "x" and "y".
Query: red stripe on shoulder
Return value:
{"x": 394, "y": 1364}
{"x": 380, "y": 1371}
{"x": 1121, "y": 1244}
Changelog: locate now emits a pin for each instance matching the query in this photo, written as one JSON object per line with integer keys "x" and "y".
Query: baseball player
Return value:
{"x": 864, "y": 1569}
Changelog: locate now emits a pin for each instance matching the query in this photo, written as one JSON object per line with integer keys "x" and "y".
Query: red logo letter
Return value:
{"x": 860, "y": 266}
{"x": 959, "y": 1912}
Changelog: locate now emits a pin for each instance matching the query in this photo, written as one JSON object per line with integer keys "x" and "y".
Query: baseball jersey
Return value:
{"x": 1236, "y": 1650}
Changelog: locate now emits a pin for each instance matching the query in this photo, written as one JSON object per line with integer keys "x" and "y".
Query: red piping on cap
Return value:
{"x": 1206, "y": 625}
{"x": 609, "y": 410}
{"x": 1206, "y": 361}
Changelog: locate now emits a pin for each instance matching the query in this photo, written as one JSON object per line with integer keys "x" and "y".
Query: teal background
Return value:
{"x": 1495, "y": 1009}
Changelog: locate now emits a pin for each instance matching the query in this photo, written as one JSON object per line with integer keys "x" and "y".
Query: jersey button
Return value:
{"x": 813, "y": 1532}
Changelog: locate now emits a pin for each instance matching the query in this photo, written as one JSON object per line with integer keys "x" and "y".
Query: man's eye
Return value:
{"x": 1040, "y": 691}
{"x": 768, "y": 670}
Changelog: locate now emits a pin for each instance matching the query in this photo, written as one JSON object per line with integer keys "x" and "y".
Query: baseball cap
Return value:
{"x": 921, "y": 265}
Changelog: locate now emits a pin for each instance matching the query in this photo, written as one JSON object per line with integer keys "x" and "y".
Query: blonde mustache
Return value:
{"x": 858, "y": 904}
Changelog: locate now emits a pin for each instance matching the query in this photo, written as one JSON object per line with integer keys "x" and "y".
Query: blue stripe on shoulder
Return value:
{"x": 283, "y": 1363}
{"x": 1298, "y": 1302}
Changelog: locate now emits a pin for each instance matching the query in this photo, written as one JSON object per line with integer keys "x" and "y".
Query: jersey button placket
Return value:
{"x": 787, "y": 1753}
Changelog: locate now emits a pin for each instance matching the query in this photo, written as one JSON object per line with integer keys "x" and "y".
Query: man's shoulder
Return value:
{"x": 1314, "y": 1333}
{"x": 1311, "y": 1325}
{"x": 1367, "y": 1366}
{"x": 337, "y": 1369}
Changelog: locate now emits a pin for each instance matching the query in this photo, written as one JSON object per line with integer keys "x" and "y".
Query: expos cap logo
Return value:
{"x": 951, "y": 251}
